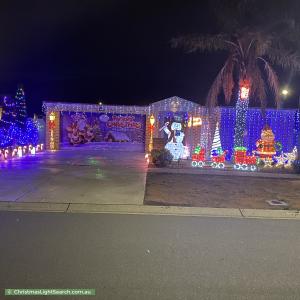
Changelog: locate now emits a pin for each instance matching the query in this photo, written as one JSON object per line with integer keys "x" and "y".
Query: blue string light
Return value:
{"x": 284, "y": 123}
{"x": 16, "y": 129}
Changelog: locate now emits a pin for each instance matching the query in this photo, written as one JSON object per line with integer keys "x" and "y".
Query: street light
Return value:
{"x": 284, "y": 92}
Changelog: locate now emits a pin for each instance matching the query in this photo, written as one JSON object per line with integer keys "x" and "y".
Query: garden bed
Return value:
{"x": 205, "y": 190}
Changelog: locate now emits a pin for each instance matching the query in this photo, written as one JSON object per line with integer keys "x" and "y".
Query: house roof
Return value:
{"x": 177, "y": 102}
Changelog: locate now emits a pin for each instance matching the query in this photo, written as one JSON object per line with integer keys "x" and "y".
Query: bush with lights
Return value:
{"x": 296, "y": 166}
{"x": 16, "y": 129}
{"x": 161, "y": 158}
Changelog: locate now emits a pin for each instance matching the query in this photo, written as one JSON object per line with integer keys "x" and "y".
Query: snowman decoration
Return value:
{"x": 175, "y": 138}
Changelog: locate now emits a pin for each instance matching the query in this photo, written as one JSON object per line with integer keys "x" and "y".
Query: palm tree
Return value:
{"x": 251, "y": 54}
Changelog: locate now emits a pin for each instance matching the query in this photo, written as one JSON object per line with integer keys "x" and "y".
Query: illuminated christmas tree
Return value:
{"x": 8, "y": 113}
{"x": 7, "y": 121}
{"x": 30, "y": 134}
{"x": 216, "y": 148}
{"x": 21, "y": 111}
{"x": 15, "y": 128}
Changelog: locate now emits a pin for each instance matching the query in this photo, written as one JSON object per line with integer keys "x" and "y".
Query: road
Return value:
{"x": 151, "y": 257}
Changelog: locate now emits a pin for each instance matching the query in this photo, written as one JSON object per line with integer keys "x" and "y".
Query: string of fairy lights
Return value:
{"x": 241, "y": 111}
{"x": 19, "y": 135}
{"x": 21, "y": 110}
{"x": 238, "y": 127}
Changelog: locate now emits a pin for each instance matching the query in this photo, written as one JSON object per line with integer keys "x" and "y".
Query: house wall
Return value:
{"x": 284, "y": 123}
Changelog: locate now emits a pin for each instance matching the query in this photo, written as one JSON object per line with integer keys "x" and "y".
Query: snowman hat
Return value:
{"x": 177, "y": 118}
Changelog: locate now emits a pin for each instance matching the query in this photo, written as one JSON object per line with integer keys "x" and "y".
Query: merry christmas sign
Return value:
{"x": 80, "y": 128}
{"x": 128, "y": 122}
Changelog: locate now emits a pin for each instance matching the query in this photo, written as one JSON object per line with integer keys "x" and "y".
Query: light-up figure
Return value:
{"x": 266, "y": 147}
{"x": 20, "y": 152}
{"x": 175, "y": 139}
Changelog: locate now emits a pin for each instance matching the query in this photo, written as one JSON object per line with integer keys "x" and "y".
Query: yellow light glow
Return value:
{"x": 284, "y": 92}
{"x": 52, "y": 117}
{"x": 244, "y": 89}
{"x": 194, "y": 121}
{"x": 152, "y": 120}
{"x": 244, "y": 92}
{"x": 20, "y": 152}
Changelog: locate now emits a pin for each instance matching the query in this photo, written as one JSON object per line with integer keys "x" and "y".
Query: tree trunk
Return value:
{"x": 240, "y": 122}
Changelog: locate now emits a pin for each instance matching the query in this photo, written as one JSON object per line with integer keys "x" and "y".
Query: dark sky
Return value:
{"x": 114, "y": 51}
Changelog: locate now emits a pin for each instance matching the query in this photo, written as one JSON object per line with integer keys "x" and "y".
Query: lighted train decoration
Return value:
{"x": 244, "y": 162}
{"x": 217, "y": 161}
{"x": 241, "y": 160}
{"x": 198, "y": 158}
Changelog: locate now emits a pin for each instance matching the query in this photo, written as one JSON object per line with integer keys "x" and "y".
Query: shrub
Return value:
{"x": 296, "y": 166}
{"x": 261, "y": 163}
{"x": 161, "y": 158}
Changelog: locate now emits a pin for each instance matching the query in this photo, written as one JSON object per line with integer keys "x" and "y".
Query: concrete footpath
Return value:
{"x": 150, "y": 210}
{"x": 95, "y": 180}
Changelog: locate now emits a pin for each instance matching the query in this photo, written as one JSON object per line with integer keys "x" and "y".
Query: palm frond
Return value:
{"x": 285, "y": 59}
{"x": 258, "y": 88}
{"x": 272, "y": 81}
{"x": 223, "y": 79}
{"x": 262, "y": 43}
{"x": 213, "y": 93}
{"x": 192, "y": 43}
{"x": 228, "y": 82}
{"x": 282, "y": 28}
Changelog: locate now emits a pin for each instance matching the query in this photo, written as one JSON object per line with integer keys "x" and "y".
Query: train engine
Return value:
{"x": 244, "y": 162}
{"x": 218, "y": 161}
{"x": 198, "y": 157}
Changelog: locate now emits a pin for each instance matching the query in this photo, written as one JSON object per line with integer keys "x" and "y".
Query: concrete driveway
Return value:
{"x": 76, "y": 175}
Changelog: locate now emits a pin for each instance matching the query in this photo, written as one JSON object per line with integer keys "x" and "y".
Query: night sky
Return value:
{"x": 117, "y": 52}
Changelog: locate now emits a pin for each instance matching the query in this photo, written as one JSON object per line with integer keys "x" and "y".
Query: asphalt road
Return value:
{"x": 150, "y": 257}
